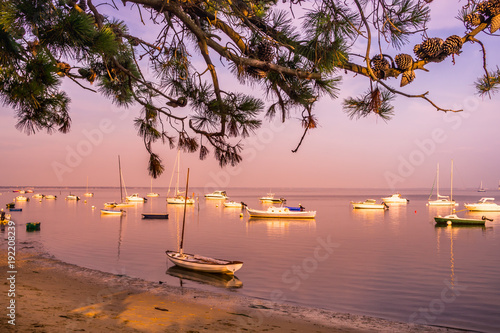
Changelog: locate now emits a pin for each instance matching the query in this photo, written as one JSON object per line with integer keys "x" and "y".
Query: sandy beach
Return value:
{"x": 53, "y": 296}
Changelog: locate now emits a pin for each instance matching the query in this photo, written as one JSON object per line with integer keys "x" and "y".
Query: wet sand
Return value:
{"x": 53, "y": 296}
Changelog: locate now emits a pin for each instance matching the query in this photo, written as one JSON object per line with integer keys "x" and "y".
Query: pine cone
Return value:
{"x": 432, "y": 47}
{"x": 495, "y": 24}
{"x": 486, "y": 7}
{"x": 474, "y": 19}
{"x": 404, "y": 61}
{"x": 407, "y": 77}
{"x": 452, "y": 45}
{"x": 417, "y": 49}
{"x": 379, "y": 65}
{"x": 265, "y": 51}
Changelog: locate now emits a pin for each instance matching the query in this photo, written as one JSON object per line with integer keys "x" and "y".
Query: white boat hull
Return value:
{"x": 233, "y": 204}
{"x": 152, "y": 195}
{"x": 443, "y": 202}
{"x": 395, "y": 199}
{"x": 484, "y": 205}
{"x": 281, "y": 212}
{"x": 203, "y": 264}
{"x": 180, "y": 201}
{"x": 111, "y": 212}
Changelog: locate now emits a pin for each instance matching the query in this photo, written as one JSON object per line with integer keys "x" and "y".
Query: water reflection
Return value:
{"x": 216, "y": 280}
{"x": 275, "y": 226}
{"x": 368, "y": 215}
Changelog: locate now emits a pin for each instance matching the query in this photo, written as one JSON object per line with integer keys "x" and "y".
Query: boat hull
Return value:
{"x": 442, "y": 203}
{"x": 153, "y": 216}
{"x": 482, "y": 208}
{"x": 180, "y": 201}
{"x": 200, "y": 264}
{"x": 281, "y": 213}
{"x": 453, "y": 220}
{"x": 111, "y": 212}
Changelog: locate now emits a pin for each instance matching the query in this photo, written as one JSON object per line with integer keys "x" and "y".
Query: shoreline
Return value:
{"x": 54, "y": 296}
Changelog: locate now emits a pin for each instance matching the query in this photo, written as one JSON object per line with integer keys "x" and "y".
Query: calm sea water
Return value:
{"x": 394, "y": 264}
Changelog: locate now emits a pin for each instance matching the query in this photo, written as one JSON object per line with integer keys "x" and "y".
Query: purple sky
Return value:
{"x": 402, "y": 153}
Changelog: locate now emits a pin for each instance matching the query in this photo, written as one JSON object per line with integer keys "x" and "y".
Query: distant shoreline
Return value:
{"x": 58, "y": 297}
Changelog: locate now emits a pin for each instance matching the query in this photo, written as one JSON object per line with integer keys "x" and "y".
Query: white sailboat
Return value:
{"x": 152, "y": 194}
{"x": 178, "y": 198}
{"x": 197, "y": 262}
{"x": 481, "y": 188}
{"x": 87, "y": 193}
{"x": 442, "y": 200}
{"x": 122, "y": 202}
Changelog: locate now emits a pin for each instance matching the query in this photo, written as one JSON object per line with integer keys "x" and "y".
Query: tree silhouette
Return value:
{"x": 294, "y": 51}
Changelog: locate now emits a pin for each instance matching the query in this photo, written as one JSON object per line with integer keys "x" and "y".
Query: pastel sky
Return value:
{"x": 342, "y": 153}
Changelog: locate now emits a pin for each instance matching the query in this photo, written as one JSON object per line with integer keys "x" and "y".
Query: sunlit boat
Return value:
{"x": 88, "y": 194}
{"x": 38, "y": 196}
{"x": 112, "y": 212}
{"x": 179, "y": 200}
{"x": 483, "y": 205}
{"x": 281, "y": 212}
{"x": 269, "y": 198}
{"x": 153, "y": 195}
{"x": 113, "y": 204}
{"x": 22, "y": 198}
{"x": 396, "y": 199}
{"x": 135, "y": 198}
{"x": 203, "y": 264}
{"x": 50, "y": 197}
{"x": 369, "y": 204}
{"x": 197, "y": 262}
{"x": 453, "y": 219}
{"x": 442, "y": 200}
{"x": 233, "y": 204}
{"x": 72, "y": 197}
{"x": 216, "y": 195}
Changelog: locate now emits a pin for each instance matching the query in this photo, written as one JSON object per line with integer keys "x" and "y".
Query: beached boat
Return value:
{"x": 395, "y": 199}
{"x": 135, "y": 198}
{"x": 197, "y": 262}
{"x": 203, "y": 264}
{"x": 154, "y": 216}
{"x": 453, "y": 219}
{"x": 281, "y": 212}
{"x": 483, "y": 205}
{"x": 22, "y": 198}
{"x": 233, "y": 204}
{"x": 216, "y": 195}
{"x": 179, "y": 198}
{"x": 369, "y": 204}
{"x": 50, "y": 197}
{"x": 269, "y": 198}
{"x": 72, "y": 197}
{"x": 112, "y": 212}
{"x": 442, "y": 200}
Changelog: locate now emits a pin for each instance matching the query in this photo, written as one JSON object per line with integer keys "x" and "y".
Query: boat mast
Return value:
{"x": 437, "y": 182}
{"x": 178, "y": 172}
{"x": 451, "y": 182}
{"x": 120, "y": 171}
{"x": 184, "y": 217}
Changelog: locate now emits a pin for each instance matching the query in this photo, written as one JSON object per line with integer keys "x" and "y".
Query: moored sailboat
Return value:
{"x": 178, "y": 198}
{"x": 198, "y": 262}
{"x": 442, "y": 200}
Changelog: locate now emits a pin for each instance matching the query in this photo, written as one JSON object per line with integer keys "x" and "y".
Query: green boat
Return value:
{"x": 453, "y": 219}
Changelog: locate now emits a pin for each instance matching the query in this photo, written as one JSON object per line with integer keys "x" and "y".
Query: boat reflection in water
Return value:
{"x": 213, "y": 279}
{"x": 278, "y": 226}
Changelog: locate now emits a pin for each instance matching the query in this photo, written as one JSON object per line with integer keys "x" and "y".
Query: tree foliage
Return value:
{"x": 293, "y": 50}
